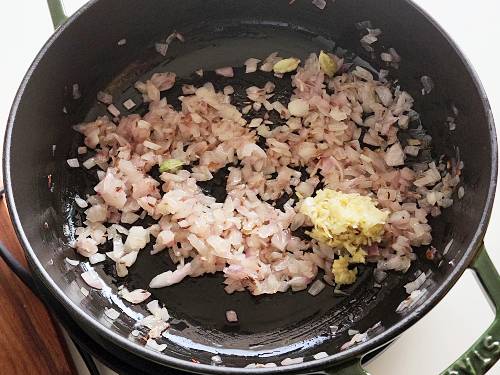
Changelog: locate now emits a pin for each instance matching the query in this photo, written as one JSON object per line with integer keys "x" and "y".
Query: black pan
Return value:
{"x": 84, "y": 50}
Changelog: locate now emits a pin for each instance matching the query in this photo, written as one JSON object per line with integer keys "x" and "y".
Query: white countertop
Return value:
{"x": 443, "y": 334}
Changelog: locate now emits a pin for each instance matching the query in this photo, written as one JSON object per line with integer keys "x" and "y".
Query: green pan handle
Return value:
{"x": 485, "y": 352}
{"x": 56, "y": 12}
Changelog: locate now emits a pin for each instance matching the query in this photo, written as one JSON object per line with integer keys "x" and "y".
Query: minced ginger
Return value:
{"x": 345, "y": 221}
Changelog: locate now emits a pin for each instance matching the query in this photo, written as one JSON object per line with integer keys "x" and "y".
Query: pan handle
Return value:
{"x": 485, "y": 352}
{"x": 56, "y": 10}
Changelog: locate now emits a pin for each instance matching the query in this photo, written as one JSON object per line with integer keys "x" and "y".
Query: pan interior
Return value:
{"x": 270, "y": 328}
{"x": 280, "y": 325}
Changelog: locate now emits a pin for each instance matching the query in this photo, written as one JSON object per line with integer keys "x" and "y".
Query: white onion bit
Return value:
{"x": 84, "y": 291}
{"x": 316, "y": 288}
{"x": 73, "y": 163}
{"x": 216, "y": 359}
{"x": 321, "y": 4}
{"x": 104, "y": 97}
{"x": 82, "y": 203}
{"x": 76, "y": 91}
{"x": 152, "y": 344}
{"x": 447, "y": 247}
{"x": 129, "y": 104}
{"x": 417, "y": 283}
{"x": 225, "y": 72}
{"x": 92, "y": 279}
{"x": 231, "y": 316}
{"x": 113, "y": 110}
{"x": 292, "y": 361}
{"x": 320, "y": 355}
{"x": 135, "y": 296}
{"x": 410, "y": 301}
{"x": 251, "y": 65}
{"x": 72, "y": 261}
{"x": 427, "y": 83}
{"x": 89, "y": 163}
{"x": 111, "y": 313}
{"x": 334, "y": 329}
{"x": 97, "y": 258}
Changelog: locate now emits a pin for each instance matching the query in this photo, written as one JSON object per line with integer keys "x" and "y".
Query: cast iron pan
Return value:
{"x": 84, "y": 50}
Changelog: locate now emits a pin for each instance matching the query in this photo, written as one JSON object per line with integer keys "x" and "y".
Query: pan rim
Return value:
{"x": 355, "y": 352}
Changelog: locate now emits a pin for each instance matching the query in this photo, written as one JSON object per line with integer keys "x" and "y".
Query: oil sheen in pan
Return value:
{"x": 198, "y": 305}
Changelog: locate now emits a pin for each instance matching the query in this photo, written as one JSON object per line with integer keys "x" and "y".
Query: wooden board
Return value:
{"x": 30, "y": 342}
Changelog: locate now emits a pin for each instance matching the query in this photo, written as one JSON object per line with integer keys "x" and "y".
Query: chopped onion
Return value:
{"x": 73, "y": 163}
{"x": 151, "y": 145}
{"x": 447, "y": 247}
{"x": 135, "y": 333}
{"x": 334, "y": 329}
{"x": 255, "y": 122}
{"x": 352, "y": 332}
{"x": 225, "y": 72}
{"x": 410, "y": 301}
{"x": 395, "y": 56}
{"x": 417, "y": 283}
{"x": 394, "y": 155}
{"x": 363, "y": 25}
{"x": 251, "y": 65}
{"x": 129, "y": 104}
{"x": 135, "y": 296}
{"x": 320, "y": 355}
{"x": 216, "y": 359}
{"x": 228, "y": 90}
{"x": 97, "y": 258}
{"x": 298, "y": 107}
{"x": 113, "y": 110}
{"x": 292, "y": 361}
{"x": 92, "y": 279}
{"x": 122, "y": 42}
{"x": 81, "y": 150}
{"x": 379, "y": 275}
{"x": 111, "y": 313}
{"x": 82, "y": 203}
{"x": 137, "y": 239}
{"x": 427, "y": 84}
{"x": 387, "y": 57}
{"x": 152, "y": 344}
{"x": 72, "y": 261}
{"x": 360, "y": 337}
{"x": 231, "y": 316}
{"x": 161, "y": 48}
{"x": 121, "y": 270}
{"x": 104, "y": 97}
{"x": 461, "y": 192}
{"x": 316, "y": 288}
{"x": 321, "y": 4}
{"x": 84, "y": 291}
{"x": 76, "y": 91}
{"x": 412, "y": 150}
{"x": 89, "y": 163}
